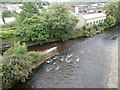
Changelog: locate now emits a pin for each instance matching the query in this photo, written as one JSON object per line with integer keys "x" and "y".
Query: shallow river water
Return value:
{"x": 83, "y": 63}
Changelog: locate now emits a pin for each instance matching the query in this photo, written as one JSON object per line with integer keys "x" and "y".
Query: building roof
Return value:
{"x": 95, "y": 15}
{"x": 94, "y": 5}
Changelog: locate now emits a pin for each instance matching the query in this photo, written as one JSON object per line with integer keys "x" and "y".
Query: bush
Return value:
{"x": 84, "y": 27}
{"x": 85, "y": 32}
{"x": 101, "y": 24}
{"x": 35, "y": 56}
{"x": 89, "y": 29}
{"x": 7, "y": 34}
{"x": 110, "y": 20}
{"x": 95, "y": 27}
{"x": 16, "y": 65}
{"x": 8, "y": 25}
{"x": 106, "y": 25}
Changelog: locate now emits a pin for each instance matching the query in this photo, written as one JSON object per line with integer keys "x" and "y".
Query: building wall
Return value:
{"x": 76, "y": 10}
{"x": 80, "y": 23}
{"x": 89, "y": 22}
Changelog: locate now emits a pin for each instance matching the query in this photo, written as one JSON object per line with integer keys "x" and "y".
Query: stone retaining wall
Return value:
{"x": 49, "y": 53}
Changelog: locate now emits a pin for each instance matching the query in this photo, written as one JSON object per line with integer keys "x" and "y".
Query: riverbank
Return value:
{"x": 74, "y": 35}
{"x": 78, "y": 33}
{"x": 48, "y": 54}
{"x": 43, "y": 57}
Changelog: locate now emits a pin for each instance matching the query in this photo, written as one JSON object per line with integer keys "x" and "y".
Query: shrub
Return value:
{"x": 89, "y": 29}
{"x": 110, "y": 20}
{"x": 7, "y": 34}
{"x": 101, "y": 24}
{"x": 35, "y": 56}
{"x": 95, "y": 27}
{"x": 84, "y": 27}
{"x": 85, "y": 32}
{"x": 8, "y": 25}
{"x": 106, "y": 25}
{"x": 16, "y": 65}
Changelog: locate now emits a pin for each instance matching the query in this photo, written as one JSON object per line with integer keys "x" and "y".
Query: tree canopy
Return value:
{"x": 56, "y": 22}
{"x": 29, "y": 9}
{"x": 113, "y": 9}
{"x": 6, "y": 14}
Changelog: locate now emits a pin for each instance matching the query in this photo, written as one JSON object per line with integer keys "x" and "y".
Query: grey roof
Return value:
{"x": 95, "y": 15}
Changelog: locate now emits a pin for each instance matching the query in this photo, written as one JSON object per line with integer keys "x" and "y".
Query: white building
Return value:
{"x": 14, "y": 7}
{"x": 90, "y": 19}
{"x": 76, "y": 10}
{"x": 94, "y": 6}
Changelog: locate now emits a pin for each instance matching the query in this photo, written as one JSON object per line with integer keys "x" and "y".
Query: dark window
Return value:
{"x": 94, "y": 22}
{"x": 90, "y": 23}
{"x": 99, "y": 11}
{"x": 87, "y": 24}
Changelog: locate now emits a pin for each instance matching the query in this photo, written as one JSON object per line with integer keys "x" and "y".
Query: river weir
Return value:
{"x": 82, "y": 63}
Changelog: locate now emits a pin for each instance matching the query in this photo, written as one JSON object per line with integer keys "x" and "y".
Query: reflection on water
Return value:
{"x": 62, "y": 46}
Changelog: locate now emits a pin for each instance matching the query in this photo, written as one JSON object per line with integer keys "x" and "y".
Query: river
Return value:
{"x": 82, "y": 63}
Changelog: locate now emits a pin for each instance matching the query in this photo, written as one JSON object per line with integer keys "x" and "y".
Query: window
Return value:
{"x": 87, "y": 24}
{"x": 99, "y": 21}
{"x": 94, "y": 22}
{"x": 90, "y": 23}
{"x": 99, "y": 11}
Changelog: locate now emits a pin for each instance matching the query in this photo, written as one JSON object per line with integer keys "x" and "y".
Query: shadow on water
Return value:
{"x": 82, "y": 61}
{"x": 61, "y": 46}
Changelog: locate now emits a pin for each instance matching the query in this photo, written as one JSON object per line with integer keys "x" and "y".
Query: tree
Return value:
{"x": 61, "y": 22}
{"x": 55, "y": 23}
{"x": 113, "y": 9}
{"x": 28, "y": 10}
{"x": 111, "y": 21}
{"x": 34, "y": 29}
{"x": 6, "y": 14}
